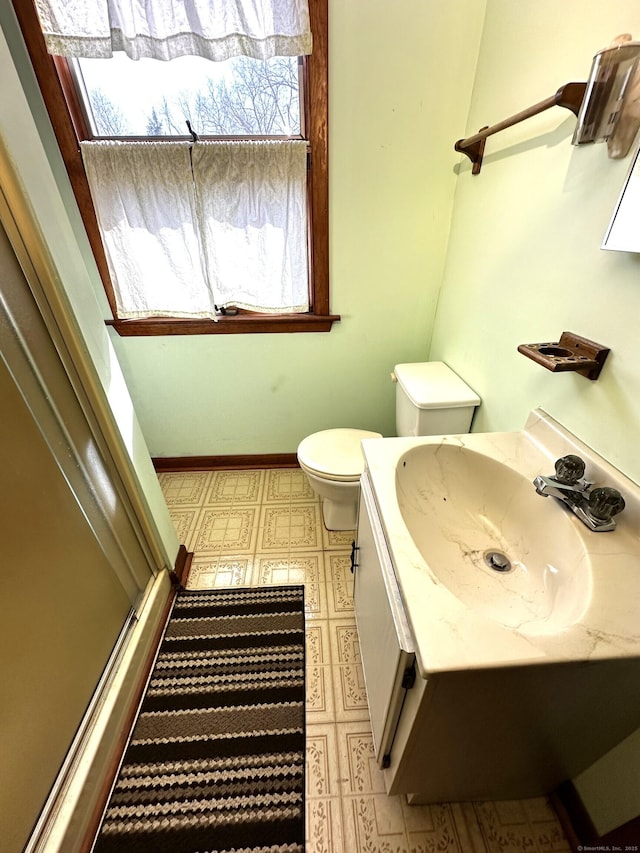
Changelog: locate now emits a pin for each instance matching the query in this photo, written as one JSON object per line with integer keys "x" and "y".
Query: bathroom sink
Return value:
{"x": 516, "y": 615}
{"x": 496, "y": 545}
{"x": 455, "y": 510}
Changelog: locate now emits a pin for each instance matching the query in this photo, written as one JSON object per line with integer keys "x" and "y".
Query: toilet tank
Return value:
{"x": 432, "y": 400}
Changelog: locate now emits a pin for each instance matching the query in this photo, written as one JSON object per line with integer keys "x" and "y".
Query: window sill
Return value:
{"x": 240, "y": 324}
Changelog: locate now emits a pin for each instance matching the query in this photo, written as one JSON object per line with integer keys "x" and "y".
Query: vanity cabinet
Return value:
{"x": 386, "y": 647}
{"x": 512, "y": 731}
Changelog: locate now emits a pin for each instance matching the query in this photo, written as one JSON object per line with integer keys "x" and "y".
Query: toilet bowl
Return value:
{"x": 430, "y": 400}
{"x": 333, "y": 462}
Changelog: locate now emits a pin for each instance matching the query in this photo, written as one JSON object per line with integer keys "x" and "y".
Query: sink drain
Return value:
{"x": 497, "y": 561}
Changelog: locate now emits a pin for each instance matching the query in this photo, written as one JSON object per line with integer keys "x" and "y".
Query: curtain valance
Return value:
{"x": 167, "y": 29}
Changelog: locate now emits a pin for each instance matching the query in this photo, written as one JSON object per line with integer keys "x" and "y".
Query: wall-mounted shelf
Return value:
{"x": 571, "y": 353}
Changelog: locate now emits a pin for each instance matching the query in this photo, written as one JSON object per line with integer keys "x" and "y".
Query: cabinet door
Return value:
{"x": 386, "y": 646}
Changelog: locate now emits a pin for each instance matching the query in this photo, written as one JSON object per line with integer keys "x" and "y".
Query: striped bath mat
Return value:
{"x": 216, "y": 757}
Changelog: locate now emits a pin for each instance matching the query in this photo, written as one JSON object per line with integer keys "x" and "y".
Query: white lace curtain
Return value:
{"x": 188, "y": 227}
{"x": 167, "y": 29}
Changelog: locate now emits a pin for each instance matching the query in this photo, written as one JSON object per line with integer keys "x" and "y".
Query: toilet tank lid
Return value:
{"x": 433, "y": 385}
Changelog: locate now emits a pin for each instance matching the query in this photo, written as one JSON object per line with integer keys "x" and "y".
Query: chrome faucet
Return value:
{"x": 594, "y": 507}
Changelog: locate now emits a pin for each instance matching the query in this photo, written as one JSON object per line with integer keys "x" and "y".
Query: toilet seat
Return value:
{"x": 335, "y": 454}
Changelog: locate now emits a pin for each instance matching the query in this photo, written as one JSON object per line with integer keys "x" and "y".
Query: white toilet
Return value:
{"x": 430, "y": 400}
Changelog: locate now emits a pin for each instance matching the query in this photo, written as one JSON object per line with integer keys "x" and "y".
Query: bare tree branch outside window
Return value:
{"x": 109, "y": 117}
{"x": 246, "y": 98}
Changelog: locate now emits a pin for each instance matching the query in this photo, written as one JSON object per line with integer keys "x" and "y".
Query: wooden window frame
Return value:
{"x": 67, "y": 119}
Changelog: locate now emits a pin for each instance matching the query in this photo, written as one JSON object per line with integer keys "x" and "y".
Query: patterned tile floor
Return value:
{"x": 265, "y": 527}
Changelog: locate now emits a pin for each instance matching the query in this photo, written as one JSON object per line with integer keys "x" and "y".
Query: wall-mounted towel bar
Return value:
{"x": 569, "y": 96}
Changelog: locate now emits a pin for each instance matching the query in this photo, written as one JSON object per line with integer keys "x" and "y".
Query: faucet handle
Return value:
{"x": 569, "y": 469}
{"x": 605, "y": 502}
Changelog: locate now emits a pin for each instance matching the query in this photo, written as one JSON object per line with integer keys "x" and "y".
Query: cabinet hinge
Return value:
{"x": 409, "y": 677}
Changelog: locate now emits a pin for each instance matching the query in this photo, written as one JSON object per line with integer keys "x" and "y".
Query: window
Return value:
{"x": 240, "y": 97}
{"x": 84, "y": 103}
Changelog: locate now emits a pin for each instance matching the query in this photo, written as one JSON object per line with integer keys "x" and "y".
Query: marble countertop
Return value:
{"x": 450, "y": 635}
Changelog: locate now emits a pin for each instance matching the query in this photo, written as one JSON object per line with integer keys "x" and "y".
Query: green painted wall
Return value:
{"x": 394, "y": 114}
{"x": 524, "y": 264}
{"x": 524, "y": 260}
